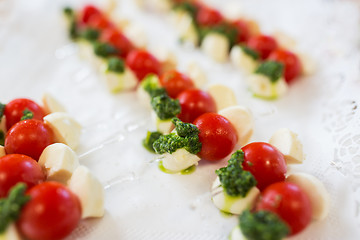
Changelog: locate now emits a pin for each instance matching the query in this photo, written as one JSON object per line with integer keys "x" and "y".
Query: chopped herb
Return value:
{"x": 2, "y": 108}
{"x": 27, "y": 114}
{"x": 165, "y": 107}
{"x": 2, "y": 138}
{"x": 152, "y": 86}
{"x": 68, "y": 11}
{"x": 187, "y": 7}
{"x": 10, "y": 207}
{"x": 104, "y": 49}
{"x": 262, "y": 225}
{"x": 229, "y": 31}
{"x": 90, "y": 34}
{"x": 250, "y": 52}
{"x": 171, "y": 142}
{"x": 234, "y": 179}
{"x": 151, "y": 137}
{"x": 272, "y": 69}
{"x": 73, "y": 28}
{"x": 116, "y": 65}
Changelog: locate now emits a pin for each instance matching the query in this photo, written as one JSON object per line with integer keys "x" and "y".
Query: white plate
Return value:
{"x": 141, "y": 201}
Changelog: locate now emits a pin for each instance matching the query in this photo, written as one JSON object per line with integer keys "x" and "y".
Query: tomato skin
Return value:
{"x": 292, "y": 64}
{"x": 263, "y": 44}
{"x": 52, "y": 213}
{"x": 99, "y": 22}
{"x": 175, "y": 82}
{"x": 265, "y": 162}
{"x": 217, "y": 135}
{"x": 289, "y": 202}
{"x": 15, "y": 168}
{"x": 118, "y": 40}
{"x": 142, "y": 63}
{"x": 14, "y": 110}
{"x": 28, "y": 137}
{"x": 194, "y": 103}
{"x": 243, "y": 30}
{"x": 208, "y": 17}
{"x": 89, "y": 11}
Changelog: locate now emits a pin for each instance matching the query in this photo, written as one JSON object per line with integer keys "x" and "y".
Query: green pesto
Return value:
{"x": 185, "y": 129}
{"x": 104, "y": 49}
{"x": 2, "y": 108}
{"x": 2, "y": 138}
{"x": 229, "y": 31}
{"x": 116, "y": 65}
{"x": 27, "y": 114}
{"x": 262, "y": 225}
{"x": 187, "y": 7}
{"x": 10, "y": 207}
{"x": 73, "y": 29}
{"x": 272, "y": 69}
{"x": 250, "y": 52}
{"x": 171, "y": 142}
{"x": 152, "y": 86}
{"x": 187, "y": 171}
{"x": 234, "y": 179}
{"x": 165, "y": 107}
{"x": 90, "y": 34}
{"x": 151, "y": 137}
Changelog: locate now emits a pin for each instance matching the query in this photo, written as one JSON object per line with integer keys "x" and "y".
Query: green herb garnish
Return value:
{"x": 250, "y": 52}
{"x": 151, "y": 137}
{"x": 116, "y": 65}
{"x": 27, "y": 114}
{"x": 165, "y": 107}
{"x": 104, "y": 49}
{"x": 2, "y": 108}
{"x": 90, "y": 34}
{"x": 152, "y": 86}
{"x": 272, "y": 69}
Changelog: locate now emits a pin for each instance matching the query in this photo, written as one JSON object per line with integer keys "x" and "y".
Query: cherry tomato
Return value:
{"x": 118, "y": 40}
{"x": 175, "y": 82}
{"x": 142, "y": 63}
{"x": 265, "y": 162}
{"x": 99, "y": 22}
{"x": 29, "y": 137}
{"x": 52, "y": 213}
{"x": 243, "y": 30}
{"x": 195, "y": 102}
{"x": 15, "y": 168}
{"x": 217, "y": 135}
{"x": 292, "y": 64}
{"x": 89, "y": 11}
{"x": 289, "y": 202}
{"x": 208, "y": 17}
{"x": 263, "y": 44}
{"x": 14, "y": 110}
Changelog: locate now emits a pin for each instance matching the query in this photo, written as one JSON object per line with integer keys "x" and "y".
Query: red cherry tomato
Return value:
{"x": 118, "y": 40}
{"x": 29, "y": 137}
{"x": 265, "y": 162}
{"x": 15, "y": 168}
{"x": 89, "y": 11}
{"x": 175, "y": 82}
{"x": 142, "y": 63}
{"x": 243, "y": 30}
{"x": 292, "y": 64}
{"x": 195, "y": 102}
{"x": 289, "y": 202}
{"x": 208, "y": 17}
{"x": 99, "y": 22}
{"x": 263, "y": 44}
{"x": 52, "y": 213}
{"x": 14, "y": 110}
{"x": 217, "y": 135}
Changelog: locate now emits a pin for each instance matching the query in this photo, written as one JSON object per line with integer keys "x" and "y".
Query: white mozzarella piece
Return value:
{"x": 307, "y": 63}
{"x": 90, "y": 192}
{"x": 136, "y": 35}
{"x": 236, "y": 234}
{"x": 86, "y": 51}
{"x": 59, "y": 162}
{"x": 197, "y": 74}
{"x": 242, "y": 120}
{"x": 117, "y": 82}
{"x": 179, "y": 160}
{"x": 66, "y": 129}
{"x": 51, "y": 104}
{"x": 242, "y": 60}
{"x": 315, "y": 190}
{"x": 2, "y": 151}
{"x": 289, "y": 145}
{"x": 230, "y": 204}
{"x": 167, "y": 58}
{"x": 216, "y": 46}
{"x": 262, "y": 87}
{"x": 223, "y": 96}
{"x": 3, "y": 124}
{"x": 10, "y": 233}
{"x": 185, "y": 27}
{"x": 163, "y": 126}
